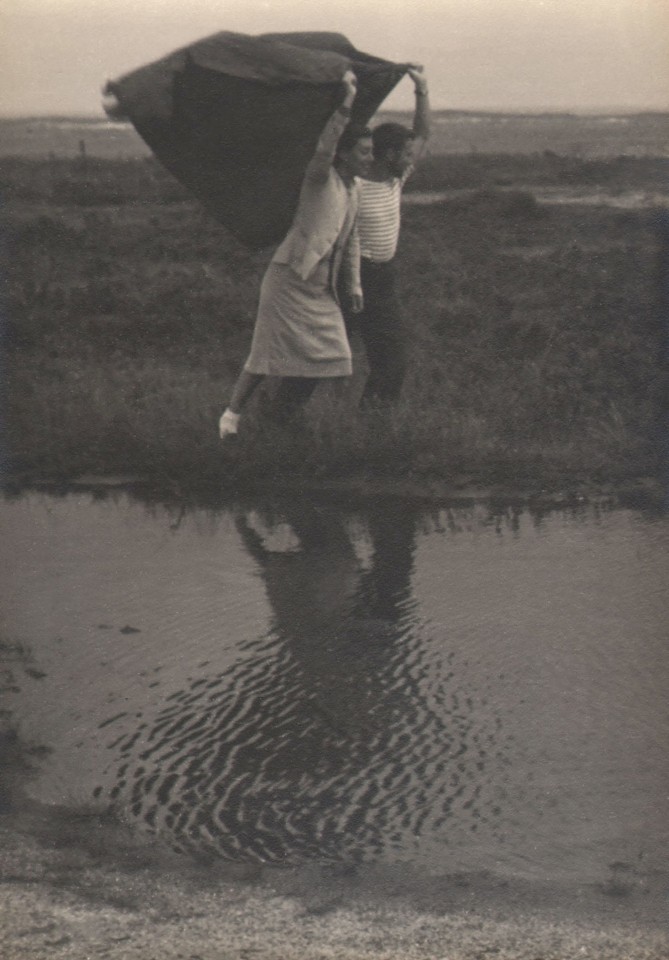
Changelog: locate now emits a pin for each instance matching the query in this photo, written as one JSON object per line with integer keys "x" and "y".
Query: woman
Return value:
{"x": 299, "y": 333}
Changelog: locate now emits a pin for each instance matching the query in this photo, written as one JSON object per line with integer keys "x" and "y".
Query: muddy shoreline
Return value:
{"x": 77, "y": 885}
{"x": 548, "y": 492}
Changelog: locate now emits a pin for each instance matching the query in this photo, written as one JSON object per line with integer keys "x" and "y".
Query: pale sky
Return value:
{"x": 55, "y": 55}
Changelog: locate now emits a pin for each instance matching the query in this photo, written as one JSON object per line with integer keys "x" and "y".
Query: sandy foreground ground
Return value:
{"x": 76, "y": 887}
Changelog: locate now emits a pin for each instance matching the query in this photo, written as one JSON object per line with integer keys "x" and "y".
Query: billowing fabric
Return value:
{"x": 236, "y": 118}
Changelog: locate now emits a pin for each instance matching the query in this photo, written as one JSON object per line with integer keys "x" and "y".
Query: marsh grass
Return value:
{"x": 536, "y": 339}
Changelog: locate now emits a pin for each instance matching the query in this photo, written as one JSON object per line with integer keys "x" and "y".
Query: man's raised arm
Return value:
{"x": 421, "y": 120}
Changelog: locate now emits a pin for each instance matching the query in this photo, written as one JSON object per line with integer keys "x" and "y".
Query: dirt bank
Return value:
{"x": 77, "y": 886}
{"x": 555, "y": 492}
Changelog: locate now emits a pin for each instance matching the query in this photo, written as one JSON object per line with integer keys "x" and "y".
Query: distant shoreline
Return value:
{"x": 436, "y": 111}
{"x": 584, "y": 135}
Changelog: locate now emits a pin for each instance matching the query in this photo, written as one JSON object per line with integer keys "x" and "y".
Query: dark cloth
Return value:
{"x": 382, "y": 330}
{"x": 236, "y": 118}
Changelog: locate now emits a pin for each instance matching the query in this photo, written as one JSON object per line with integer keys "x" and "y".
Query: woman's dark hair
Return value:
{"x": 390, "y": 136}
{"x": 351, "y": 135}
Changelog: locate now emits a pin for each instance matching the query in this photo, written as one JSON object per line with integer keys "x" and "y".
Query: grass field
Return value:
{"x": 537, "y": 333}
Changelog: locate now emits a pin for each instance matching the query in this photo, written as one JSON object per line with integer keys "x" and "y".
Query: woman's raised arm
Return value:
{"x": 321, "y": 162}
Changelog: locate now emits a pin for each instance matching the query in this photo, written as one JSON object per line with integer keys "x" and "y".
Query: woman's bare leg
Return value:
{"x": 246, "y": 384}
{"x": 244, "y": 387}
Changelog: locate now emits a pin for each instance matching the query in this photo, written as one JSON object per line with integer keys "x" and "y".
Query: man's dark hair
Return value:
{"x": 390, "y": 136}
{"x": 351, "y": 135}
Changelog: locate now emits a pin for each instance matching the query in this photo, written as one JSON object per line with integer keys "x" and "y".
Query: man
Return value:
{"x": 381, "y": 327}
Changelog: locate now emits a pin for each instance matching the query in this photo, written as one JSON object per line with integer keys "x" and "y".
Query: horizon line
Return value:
{"x": 517, "y": 111}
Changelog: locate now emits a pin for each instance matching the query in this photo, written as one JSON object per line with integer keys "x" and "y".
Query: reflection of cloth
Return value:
{"x": 235, "y": 118}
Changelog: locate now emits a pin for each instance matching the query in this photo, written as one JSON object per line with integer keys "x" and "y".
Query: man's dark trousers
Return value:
{"x": 381, "y": 328}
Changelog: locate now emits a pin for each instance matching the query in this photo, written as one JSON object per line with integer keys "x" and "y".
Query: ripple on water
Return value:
{"x": 463, "y": 689}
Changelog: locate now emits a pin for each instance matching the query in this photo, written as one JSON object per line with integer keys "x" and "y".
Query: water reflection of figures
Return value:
{"x": 339, "y": 621}
{"x": 332, "y": 738}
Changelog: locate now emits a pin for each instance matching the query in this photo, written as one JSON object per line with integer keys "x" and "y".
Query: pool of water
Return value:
{"x": 465, "y": 689}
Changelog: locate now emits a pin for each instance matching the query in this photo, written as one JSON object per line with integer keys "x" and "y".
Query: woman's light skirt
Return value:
{"x": 299, "y": 330}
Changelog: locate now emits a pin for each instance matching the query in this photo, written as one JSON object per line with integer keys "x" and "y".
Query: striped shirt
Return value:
{"x": 379, "y": 217}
